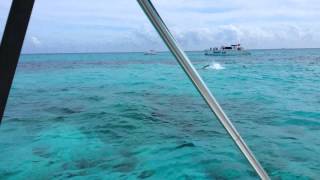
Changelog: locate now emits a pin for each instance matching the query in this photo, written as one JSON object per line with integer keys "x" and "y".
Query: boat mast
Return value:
{"x": 192, "y": 73}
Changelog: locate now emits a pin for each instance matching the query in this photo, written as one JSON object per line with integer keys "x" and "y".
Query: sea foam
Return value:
{"x": 215, "y": 66}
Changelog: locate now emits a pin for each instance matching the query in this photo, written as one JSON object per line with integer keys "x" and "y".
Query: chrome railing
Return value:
{"x": 192, "y": 73}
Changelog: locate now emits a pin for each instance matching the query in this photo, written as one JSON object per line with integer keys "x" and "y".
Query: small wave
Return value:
{"x": 214, "y": 65}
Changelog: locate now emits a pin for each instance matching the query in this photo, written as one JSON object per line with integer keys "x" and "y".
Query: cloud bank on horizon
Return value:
{"x": 100, "y": 25}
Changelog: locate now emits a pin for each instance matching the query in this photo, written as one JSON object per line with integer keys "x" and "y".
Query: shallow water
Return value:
{"x": 130, "y": 116}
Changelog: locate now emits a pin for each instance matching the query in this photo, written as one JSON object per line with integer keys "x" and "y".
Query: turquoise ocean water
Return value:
{"x": 130, "y": 116}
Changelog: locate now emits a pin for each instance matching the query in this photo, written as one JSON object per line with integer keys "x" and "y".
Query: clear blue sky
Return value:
{"x": 108, "y": 25}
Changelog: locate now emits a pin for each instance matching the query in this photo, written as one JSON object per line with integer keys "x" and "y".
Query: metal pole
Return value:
{"x": 192, "y": 73}
{"x": 11, "y": 45}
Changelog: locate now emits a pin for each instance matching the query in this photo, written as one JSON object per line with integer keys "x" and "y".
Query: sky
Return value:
{"x": 115, "y": 26}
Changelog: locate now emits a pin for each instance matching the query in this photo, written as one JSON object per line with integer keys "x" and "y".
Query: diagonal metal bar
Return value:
{"x": 192, "y": 73}
{"x": 11, "y": 45}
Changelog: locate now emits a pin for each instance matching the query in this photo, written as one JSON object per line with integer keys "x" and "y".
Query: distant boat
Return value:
{"x": 233, "y": 50}
{"x": 151, "y": 52}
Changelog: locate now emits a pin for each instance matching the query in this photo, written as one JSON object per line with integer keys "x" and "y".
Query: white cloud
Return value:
{"x": 106, "y": 25}
{"x": 35, "y": 41}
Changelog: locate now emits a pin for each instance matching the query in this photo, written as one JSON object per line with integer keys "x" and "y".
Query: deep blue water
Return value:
{"x": 130, "y": 116}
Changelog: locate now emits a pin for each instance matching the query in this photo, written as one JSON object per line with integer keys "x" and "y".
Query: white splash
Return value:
{"x": 215, "y": 66}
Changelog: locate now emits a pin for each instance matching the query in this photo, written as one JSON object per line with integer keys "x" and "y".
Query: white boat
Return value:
{"x": 233, "y": 50}
{"x": 151, "y": 52}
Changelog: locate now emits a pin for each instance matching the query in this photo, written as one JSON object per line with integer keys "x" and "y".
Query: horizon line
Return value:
{"x": 162, "y": 51}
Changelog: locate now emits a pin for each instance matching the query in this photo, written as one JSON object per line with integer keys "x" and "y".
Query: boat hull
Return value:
{"x": 227, "y": 53}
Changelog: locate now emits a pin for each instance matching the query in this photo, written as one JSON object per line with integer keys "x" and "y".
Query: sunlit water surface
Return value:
{"x": 130, "y": 116}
